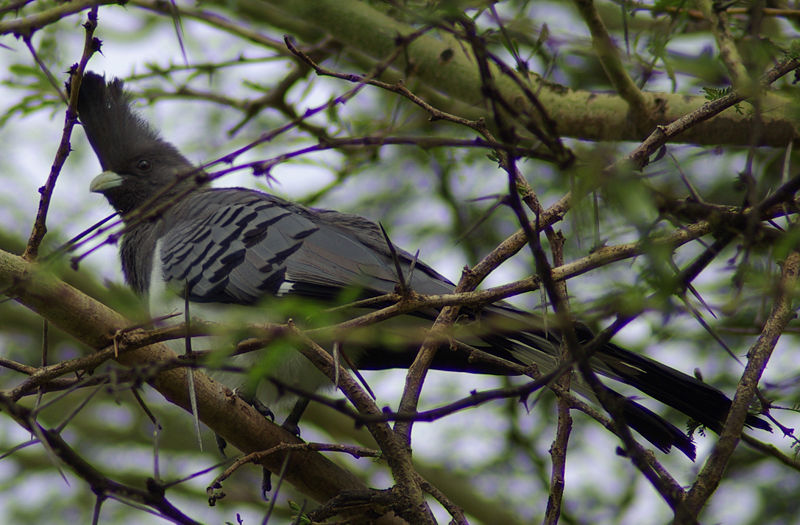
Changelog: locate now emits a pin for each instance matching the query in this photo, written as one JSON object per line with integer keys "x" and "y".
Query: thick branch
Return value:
{"x": 370, "y": 34}
{"x": 226, "y": 414}
{"x": 710, "y": 477}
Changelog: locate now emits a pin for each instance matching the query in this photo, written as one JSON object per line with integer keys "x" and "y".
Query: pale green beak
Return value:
{"x": 105, "y": 181}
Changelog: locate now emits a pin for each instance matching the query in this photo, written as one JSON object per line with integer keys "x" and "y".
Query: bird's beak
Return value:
{"x": 105, "y": 181}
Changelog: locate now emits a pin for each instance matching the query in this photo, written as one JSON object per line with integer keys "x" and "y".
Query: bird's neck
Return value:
{"x": 137, "y": 251}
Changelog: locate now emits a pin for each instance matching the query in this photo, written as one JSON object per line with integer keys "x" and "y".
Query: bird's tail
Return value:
{"x": 703, "y": 403}
{"x": 526, "y": 339}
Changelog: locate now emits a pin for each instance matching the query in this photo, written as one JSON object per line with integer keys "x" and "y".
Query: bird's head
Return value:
{"x": 137, "y": 164}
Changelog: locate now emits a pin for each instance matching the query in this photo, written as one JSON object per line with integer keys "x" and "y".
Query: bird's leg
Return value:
{"x": 266, "y": 475}
{"x": 221, "y": 444}
{"x": 262, "y": 409}
{"x": 291, "y": 423}
{"x": 266, "y": 483}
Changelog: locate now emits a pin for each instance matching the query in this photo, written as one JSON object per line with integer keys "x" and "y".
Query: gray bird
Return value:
{"x": 235, "y": 246}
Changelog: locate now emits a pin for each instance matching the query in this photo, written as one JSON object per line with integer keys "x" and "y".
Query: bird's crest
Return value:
{"x": 113, "y": 128}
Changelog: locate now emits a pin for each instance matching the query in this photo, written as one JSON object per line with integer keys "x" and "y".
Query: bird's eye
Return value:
{"x": 143, "y": 165}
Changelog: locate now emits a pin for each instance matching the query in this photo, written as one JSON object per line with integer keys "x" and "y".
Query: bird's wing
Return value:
{"x": 237, "y": 246}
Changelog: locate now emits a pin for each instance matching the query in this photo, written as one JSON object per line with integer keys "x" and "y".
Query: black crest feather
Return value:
{"x": 114, "y": 130}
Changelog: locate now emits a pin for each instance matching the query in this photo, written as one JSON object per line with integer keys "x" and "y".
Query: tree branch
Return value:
{"x": 226, "y": 414}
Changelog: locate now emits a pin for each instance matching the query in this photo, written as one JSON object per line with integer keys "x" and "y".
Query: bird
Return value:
{"x": 236, "y": 247}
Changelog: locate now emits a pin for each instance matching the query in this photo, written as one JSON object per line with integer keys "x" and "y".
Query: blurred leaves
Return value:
{"x": 447, "y": 201}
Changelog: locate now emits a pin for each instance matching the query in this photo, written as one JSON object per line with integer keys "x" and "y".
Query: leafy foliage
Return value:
{"x": 418, "y": 114}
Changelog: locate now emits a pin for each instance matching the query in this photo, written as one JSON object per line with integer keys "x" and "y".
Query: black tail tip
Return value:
{"x": 753, "y": 421}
